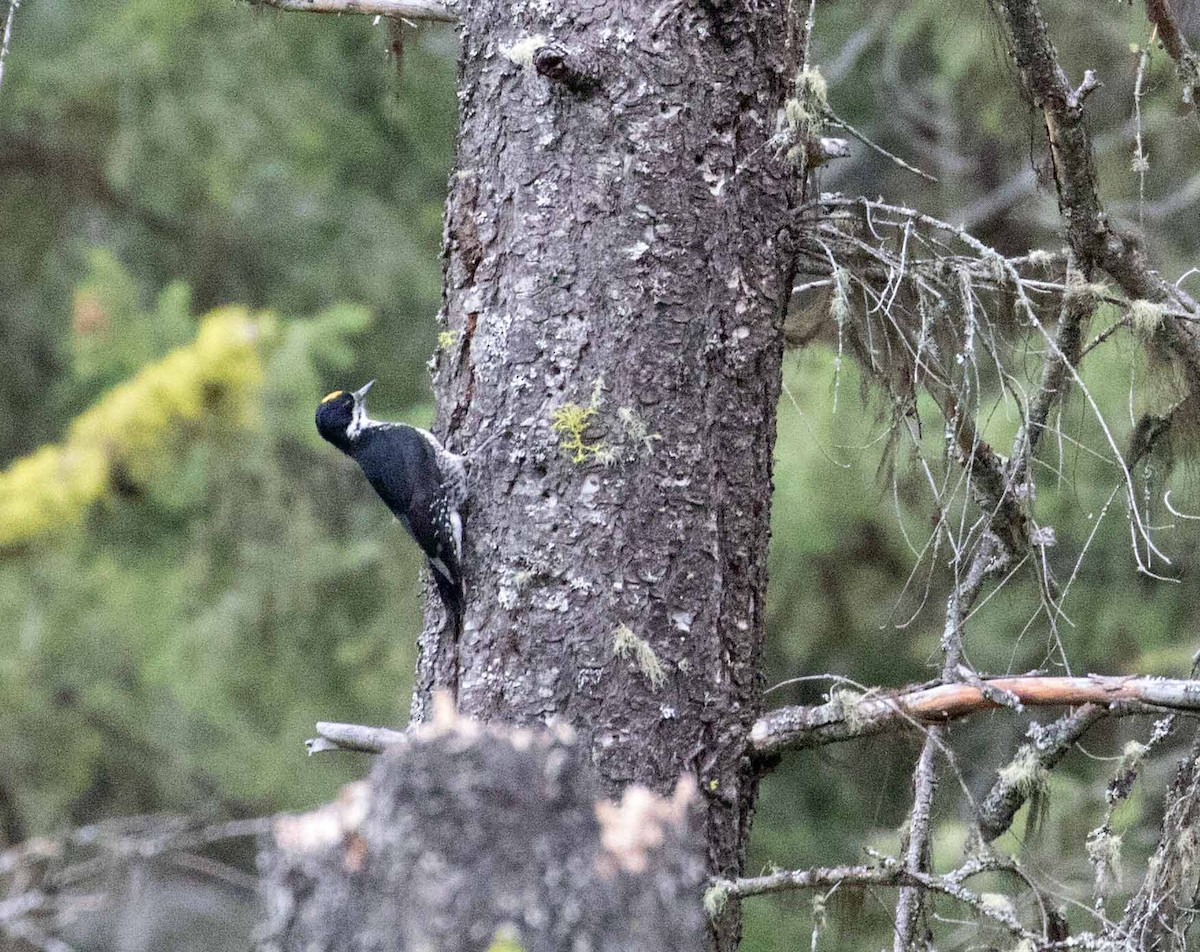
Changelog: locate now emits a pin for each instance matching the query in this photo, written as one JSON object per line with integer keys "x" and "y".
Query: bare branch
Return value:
{"x": 403, "y": 9}
{"x": 1092, "y": 237}
{"x": 1176, "y": 45}
{"x": 1158, "y": 915}
{"x": 847, "y": 716}
{"x": 1046, "y": 748}
{"x": 889, "y": 873}
{"x": 52, "y": 878}
{"x": 872, "y": 144}
{"x": 910, "y": 906}
{"x": 1077, "y": 307}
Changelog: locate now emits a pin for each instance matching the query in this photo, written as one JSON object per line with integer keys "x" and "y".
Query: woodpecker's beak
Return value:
{"x": 361, "y": 394}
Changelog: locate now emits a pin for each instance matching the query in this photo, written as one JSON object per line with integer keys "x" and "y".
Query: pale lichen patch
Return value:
{"x": 521, "y": 52}
{"x": 1146, "y": 317}
{"x": 627, "y": 644}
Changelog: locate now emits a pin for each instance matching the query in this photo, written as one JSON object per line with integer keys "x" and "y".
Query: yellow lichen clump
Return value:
{"x": 571, "y": 420}
{"x": 506, "y": 940}
{"x": 131, "y": 427}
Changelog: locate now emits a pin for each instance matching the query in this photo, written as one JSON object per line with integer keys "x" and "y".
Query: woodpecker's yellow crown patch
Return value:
{"x": 330, "y": 396}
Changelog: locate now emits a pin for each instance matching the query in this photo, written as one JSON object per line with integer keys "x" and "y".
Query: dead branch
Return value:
{"x": 1177, "y": 47}
{"x": 353, "y": 737}
{"x": 52, "y": 880}
{"x": 847, "y": 717}
{"x": 889, "y": 872}
{"x": 987, "y": 558}
{"x": 1159, "y": 914}
{"x": 1077, "y": 307}
{"x": 1092, "y": 237}
{"x": 910, "y": 916}
{"x": 1046, "y": 747}
{"x": 403, "y": 9}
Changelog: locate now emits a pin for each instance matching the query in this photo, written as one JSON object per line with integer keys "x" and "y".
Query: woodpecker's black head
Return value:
{"x": 341, "y": 416}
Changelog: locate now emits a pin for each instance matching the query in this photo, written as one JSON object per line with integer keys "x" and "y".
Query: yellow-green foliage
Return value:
{"x": 572, "y": 420}
{"x": 1104, "y": 853}
{"x": 1026, "y": 774}
{"x": 715, "y": 899}
{"x": 130, "y": 427}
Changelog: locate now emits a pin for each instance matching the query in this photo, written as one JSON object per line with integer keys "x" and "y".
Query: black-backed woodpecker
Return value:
{"x": 423, "y": 483}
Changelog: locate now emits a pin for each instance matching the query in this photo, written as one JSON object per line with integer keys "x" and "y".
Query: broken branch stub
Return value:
{"x": 472, "y": 837}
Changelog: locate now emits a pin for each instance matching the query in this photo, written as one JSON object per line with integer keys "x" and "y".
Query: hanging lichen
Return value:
{"x": 804, "y": 112}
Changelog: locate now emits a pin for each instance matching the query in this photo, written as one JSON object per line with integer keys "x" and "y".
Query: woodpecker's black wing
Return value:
{"x": 402, "y": 466}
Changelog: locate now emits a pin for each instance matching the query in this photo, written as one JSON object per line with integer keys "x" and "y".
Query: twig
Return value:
{"x": 47, "y": 873}
{"x": 806, "y": 32}
{"x": 406, "y": 9}
{"x": 1077, "y": 307}
{"x": 1141, "y": 161}
{"x": 872, "y": 144}
{"x": 4, "y": 44}
{"x": 1007, "y": 519}
{"x": 853, "y": 49}
{"x": 847, "y": 718}
{"x": 1158, "y": 915}
{"x": 1095, "y": 242}
{"x": 354, "y": 737}
{"x": 910, "y": 905}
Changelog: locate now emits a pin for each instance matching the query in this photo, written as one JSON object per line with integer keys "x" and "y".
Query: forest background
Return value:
{"x": 210, "y": 215}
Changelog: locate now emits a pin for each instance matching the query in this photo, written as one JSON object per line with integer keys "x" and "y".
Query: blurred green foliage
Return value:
{"x": 233, "y": 581}
{"x": 228, "y": 588}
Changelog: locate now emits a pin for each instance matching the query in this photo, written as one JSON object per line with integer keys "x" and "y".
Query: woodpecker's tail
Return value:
{"x": 453, "y": 598}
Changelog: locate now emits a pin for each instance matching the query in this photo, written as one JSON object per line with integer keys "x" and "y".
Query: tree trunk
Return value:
{"x": 617, "y": 264}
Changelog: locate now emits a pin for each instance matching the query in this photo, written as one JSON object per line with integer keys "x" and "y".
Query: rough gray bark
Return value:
{"x": 616, "y": 242}
{"x": 469, "y": 839}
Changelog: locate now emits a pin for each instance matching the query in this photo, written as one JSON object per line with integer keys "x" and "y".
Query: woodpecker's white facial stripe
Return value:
{"x": 359, "y": 421}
